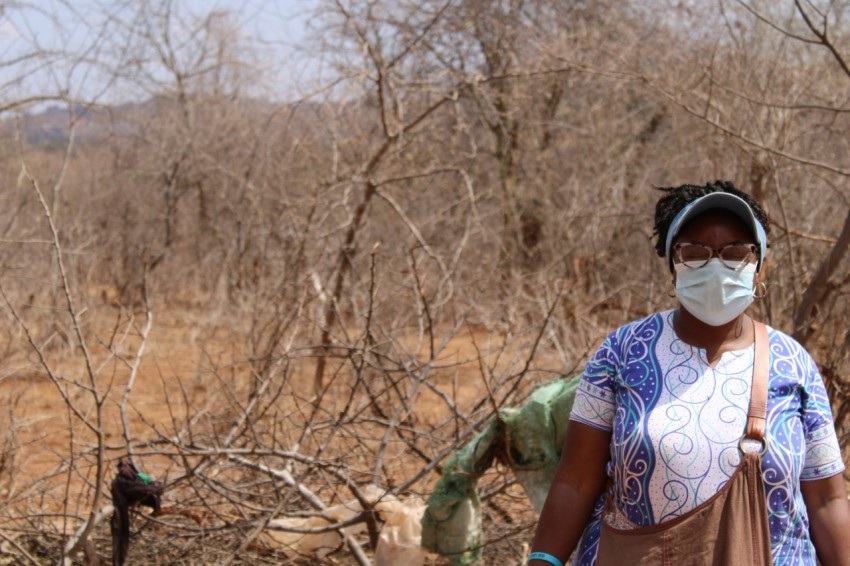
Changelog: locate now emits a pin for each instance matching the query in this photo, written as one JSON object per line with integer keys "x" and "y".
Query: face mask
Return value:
{"x": 714, "y": 293}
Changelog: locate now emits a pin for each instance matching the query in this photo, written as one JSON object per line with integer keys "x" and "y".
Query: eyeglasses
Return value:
{"x": 733, "y": 256}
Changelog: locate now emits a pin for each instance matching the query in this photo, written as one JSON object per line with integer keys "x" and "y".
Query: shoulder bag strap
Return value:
{"x": 757, "y": 417}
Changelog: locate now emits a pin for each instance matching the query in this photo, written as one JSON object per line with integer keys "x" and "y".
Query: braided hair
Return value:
{"x": 675, "y": 199}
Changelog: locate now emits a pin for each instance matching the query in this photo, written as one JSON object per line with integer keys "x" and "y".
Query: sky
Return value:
{"x": 276, "y": 30}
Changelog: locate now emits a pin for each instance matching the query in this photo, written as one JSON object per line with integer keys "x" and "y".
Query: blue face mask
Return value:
{"x": 714, "y": 293}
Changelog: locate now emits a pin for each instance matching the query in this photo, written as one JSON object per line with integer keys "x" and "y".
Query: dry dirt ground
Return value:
{"x": 186, "y": 363}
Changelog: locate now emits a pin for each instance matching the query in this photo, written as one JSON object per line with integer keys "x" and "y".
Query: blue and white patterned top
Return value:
{"x": 676, "y": 423}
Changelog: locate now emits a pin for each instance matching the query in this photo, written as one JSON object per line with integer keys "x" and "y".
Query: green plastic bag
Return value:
{"x": 529, "y": 439}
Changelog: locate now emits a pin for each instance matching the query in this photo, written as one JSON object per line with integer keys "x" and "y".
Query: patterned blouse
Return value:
{"x": 676, "y": 422}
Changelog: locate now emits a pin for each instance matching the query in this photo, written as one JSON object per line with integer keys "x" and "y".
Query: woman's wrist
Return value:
{"x": 545, "y": 557}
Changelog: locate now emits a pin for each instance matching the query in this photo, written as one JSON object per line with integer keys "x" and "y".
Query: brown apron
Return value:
{"x": 730, "y": 528}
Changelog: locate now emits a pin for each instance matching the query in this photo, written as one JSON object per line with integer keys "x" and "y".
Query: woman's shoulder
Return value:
{"x": 785, "y": 349}
{"x": 781, "y": 341}
{"x": 647, "y": 328}
{"x": 652, "y": 322}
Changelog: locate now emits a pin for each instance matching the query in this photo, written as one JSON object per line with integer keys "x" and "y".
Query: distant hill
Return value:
{"x": 50, "y": 125}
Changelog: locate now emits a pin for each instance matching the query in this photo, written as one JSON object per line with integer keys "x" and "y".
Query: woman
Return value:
{"x": 656, "y": 428}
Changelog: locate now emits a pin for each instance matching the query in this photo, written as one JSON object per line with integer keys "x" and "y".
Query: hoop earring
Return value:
{"x": 670, "y": 289}
{"x": 760, "y": 295}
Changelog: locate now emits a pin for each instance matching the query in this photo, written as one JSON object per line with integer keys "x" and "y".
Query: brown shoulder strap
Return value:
{"x": 757, "y": 417}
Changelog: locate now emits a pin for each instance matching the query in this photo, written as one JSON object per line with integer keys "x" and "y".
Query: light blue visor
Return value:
{"x": 726, "y": 201}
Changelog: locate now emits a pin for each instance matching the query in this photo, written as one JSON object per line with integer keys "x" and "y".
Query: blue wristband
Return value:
{"x": 545, "y": 557}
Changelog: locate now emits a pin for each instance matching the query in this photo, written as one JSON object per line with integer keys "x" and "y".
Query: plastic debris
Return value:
{"x": 528, "y": 439}
{"x": 399, "y": 541}
{"x": 128, "y": 488}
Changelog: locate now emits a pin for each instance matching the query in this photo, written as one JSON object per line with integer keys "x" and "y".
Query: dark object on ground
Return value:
{"x": 129, "y": 486}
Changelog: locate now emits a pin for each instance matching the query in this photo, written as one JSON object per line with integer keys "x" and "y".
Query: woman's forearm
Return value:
{"x": 829, "y": 519}
{"x": 564, "y": 517}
